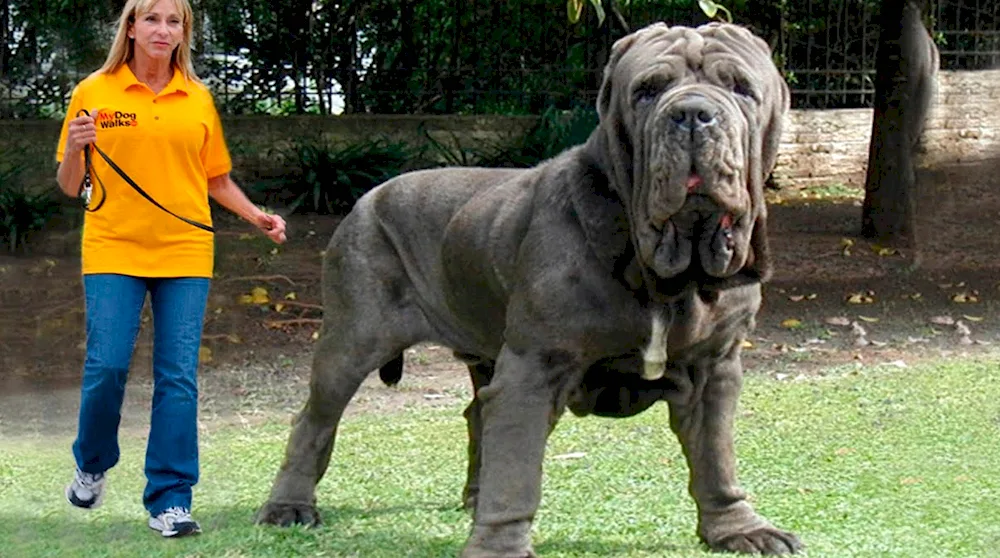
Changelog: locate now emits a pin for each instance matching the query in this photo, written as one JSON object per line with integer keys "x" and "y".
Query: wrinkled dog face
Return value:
{"x": 697, "y": 115}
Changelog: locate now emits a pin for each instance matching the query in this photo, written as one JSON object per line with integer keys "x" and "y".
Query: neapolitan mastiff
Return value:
{"x": 622, "y": 272}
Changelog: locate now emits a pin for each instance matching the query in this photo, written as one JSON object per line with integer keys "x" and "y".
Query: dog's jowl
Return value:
{"x": 624, "y": 272}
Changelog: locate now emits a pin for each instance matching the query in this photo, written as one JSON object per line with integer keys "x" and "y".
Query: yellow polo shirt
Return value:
{"x": 170, "y": 143}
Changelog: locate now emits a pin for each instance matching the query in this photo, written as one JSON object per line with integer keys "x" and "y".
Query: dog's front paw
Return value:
{"x": 766, "y": 540}
{"x": 470, "y": 552}
{"x": 286, "y": 514}
{"x": 740, "y": 529}
{"x": 501, "y": 541}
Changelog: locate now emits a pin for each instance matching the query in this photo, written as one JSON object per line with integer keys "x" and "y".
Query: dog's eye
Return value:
{"x": 742, "y": 88}
{"x": 648, "y": 91}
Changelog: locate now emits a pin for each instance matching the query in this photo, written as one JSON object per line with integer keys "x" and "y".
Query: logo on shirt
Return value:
{"x": 116, "y": 119}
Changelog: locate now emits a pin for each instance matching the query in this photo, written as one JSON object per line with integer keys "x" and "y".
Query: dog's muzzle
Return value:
{"x": 704, "y": 176}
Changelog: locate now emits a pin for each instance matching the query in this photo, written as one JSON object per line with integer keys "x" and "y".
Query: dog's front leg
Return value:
{"x": 519, "y": 409}
{"x": 704, "y": 425}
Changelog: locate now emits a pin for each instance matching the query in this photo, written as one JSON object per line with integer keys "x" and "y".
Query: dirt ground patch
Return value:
{"x": 256, "y": 355}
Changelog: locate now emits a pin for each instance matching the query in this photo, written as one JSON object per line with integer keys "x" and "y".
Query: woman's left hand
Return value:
{"x": 273, "y": 226}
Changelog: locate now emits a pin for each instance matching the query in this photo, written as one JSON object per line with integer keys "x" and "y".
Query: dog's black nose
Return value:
{"x": 692, "y": 113}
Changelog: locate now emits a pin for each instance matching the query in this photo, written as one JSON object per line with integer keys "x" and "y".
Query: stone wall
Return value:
{"x": 831, "y": 146}
{"x": 817, "y": 148}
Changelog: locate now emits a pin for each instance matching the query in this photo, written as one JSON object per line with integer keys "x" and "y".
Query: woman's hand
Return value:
{"x": 81, "y": 132}
{"x": 272, "y": 225}
{"x": 229, "y": 195}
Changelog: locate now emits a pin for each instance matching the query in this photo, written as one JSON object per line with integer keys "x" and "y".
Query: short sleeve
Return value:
{"x": 214, "y": 154}
{"x": 75, "y": 104}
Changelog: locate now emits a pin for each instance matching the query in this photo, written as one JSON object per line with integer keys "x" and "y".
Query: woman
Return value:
{"x": 147, "y": 110}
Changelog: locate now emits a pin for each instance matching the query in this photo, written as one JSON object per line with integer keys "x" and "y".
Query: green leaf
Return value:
{"x": 573, "y": 10}
{"x": 709, "y": 7}
{"x": 600, "y": 11}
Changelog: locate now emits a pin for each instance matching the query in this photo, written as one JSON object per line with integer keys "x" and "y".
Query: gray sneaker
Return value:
{"x": 87, "y": 490}
{"x": 175, "y": 522}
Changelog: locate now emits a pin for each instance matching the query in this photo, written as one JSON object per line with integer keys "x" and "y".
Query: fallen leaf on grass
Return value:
{"x": 860, "y": 298}
{"x": 883, "y": 251}
{"x": 746, "y": 344}
{"x": 867, "y": 319}
{"x": 204, "y": 354}
{"x": 838, "y": 321}
{"x": 964, "y": 298}
{"x": 291, "y": 296}
{"x": 942, "y": 320}
{"x": 791, "y": 323}
{"x": 315, "y": 335}
{"x": 972, "y": 318}
{"x": 279, "y": 307}
{"x": 846, "y": 244}
{"x": 856, "y": 329}
{"x": 910, "y": 480}
{"x": 571, "y": 455}
{"x": 257, "y": 296}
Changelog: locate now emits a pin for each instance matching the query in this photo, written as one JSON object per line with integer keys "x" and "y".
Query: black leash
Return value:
{"x": 86, "y": 186}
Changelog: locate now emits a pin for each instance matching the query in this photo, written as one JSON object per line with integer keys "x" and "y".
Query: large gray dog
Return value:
{"x": 622, "y": 272}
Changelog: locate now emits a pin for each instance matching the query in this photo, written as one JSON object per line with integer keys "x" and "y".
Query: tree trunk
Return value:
{"x": 906, "y": 71}
{"x": 4, "y": 39}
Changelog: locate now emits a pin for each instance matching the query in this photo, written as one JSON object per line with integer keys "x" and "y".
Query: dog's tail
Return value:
{"x": 392, "y": 372}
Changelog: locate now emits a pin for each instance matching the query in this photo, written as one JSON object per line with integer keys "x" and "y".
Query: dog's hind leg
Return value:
{"x": 481, "y": 374}
{"x": 368, "y": 321}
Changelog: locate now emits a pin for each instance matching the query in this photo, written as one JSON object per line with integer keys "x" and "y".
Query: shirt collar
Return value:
{"x": 124, "y": 76}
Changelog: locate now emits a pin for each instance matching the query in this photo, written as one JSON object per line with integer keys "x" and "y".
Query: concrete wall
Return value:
{"x": 818, "y": 147}
{"x": 831, "y": 146}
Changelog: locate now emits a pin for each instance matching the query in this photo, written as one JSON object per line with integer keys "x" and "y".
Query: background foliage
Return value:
{"x": 454, "y": 56}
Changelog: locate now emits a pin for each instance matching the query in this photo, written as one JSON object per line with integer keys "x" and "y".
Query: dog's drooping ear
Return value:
{"x": 606, "y": 92}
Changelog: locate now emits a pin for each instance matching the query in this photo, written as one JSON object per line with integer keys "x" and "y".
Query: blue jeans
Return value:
{"x": 113, "y": 309}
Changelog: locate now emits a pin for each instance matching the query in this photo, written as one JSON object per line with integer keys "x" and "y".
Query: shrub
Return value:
{"x": 556, "y": 131}
{"x": 328, "y": 177}
{"x": 21, "y": 211}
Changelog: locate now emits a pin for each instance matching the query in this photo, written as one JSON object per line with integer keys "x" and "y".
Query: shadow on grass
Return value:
{"x": 421, "y": 530}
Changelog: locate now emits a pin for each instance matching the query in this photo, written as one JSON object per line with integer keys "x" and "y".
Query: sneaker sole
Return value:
{"x": 93, "y": 505}
{"x": 186, "y": 530}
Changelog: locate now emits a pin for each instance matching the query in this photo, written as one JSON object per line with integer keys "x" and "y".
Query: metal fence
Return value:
{"x": 826, "y": 49}
{"x": 831, "y": 62}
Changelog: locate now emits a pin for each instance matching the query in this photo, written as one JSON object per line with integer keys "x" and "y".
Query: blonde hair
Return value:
{"x": 123, "y": 48}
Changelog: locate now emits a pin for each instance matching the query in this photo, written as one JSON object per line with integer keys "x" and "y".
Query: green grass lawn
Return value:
{"x": 875, "y": 462}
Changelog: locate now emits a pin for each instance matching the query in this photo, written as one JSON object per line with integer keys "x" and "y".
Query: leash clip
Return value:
{"x": 87, "y": 190}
